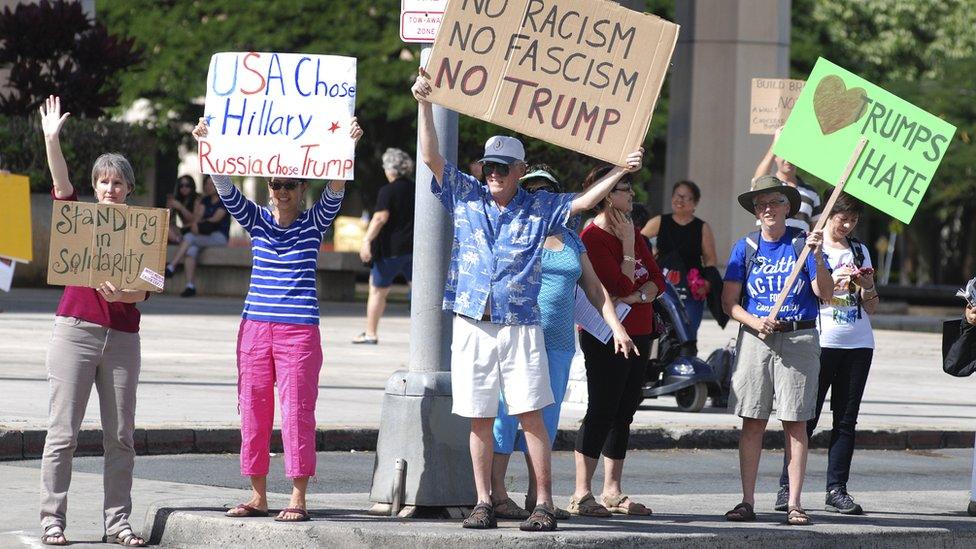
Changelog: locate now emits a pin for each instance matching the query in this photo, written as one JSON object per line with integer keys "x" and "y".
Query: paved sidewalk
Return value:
{"x": 912, "y": 499}
{"x": 189, "y": 376}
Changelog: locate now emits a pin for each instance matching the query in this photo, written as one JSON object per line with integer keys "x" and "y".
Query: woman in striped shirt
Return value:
{"x": 278, "y": 342}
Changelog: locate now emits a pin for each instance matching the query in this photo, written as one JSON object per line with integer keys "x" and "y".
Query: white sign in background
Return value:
{"x": 279, "y": 115}
{"x": 420, "y": 19}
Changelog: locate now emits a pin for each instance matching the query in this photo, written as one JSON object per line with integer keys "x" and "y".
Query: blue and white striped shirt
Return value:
{"x": 282, "y": 285}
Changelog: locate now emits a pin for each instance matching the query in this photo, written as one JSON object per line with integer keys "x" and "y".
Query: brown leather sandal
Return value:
{"x": 796, "y": 516}
{"x": 742, "y": 512}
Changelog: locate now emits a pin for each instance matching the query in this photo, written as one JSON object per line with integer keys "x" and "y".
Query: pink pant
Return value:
{"x": 289, "y": 356}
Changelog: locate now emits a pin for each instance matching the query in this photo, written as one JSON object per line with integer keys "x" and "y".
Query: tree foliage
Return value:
{"x": 54, "y": 48}
{"x": 925, "y": 53}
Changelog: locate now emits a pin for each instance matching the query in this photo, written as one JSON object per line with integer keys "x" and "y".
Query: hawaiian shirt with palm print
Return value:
{"x": 496, "y": 256}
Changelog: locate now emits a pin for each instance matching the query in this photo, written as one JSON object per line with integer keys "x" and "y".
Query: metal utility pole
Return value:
{"x": 422, "y": 457}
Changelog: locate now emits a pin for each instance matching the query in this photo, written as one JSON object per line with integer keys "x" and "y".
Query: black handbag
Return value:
{"x": 958, "y": 348}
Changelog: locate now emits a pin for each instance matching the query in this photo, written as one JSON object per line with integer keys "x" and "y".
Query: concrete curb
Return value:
{"x": 29, "y": 444}
{"x": 199, "y": 523}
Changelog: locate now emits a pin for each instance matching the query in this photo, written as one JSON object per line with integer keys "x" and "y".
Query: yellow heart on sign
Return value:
{"x": 836, "y": 106}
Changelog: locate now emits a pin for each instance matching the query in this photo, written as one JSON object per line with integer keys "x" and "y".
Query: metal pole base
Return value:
{"x": 412, "y": 511}
{"x": 418, "y": 428}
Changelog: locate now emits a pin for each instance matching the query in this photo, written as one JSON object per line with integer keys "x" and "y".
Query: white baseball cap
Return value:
{"x": 503, "y": 150}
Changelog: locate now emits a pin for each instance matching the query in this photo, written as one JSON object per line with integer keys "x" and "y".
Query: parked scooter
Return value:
{"x": 676, "y": 369}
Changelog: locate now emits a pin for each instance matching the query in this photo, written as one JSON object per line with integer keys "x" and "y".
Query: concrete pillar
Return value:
{"x": 722, "y": 46}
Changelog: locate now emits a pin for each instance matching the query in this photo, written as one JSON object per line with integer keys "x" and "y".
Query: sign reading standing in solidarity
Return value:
{"x": 904, "y": 143}
{"x": 582, "y": 75}
{"x": 94, "y": 243}
{"x": 279, "y": 115}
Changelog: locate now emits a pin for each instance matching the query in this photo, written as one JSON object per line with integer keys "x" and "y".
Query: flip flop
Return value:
{"x": 741, "y": 513}
{"x": 363, "y": 339}
{"x": 302, "y": 515}
{"x": 249, "y": 511}
{"x": 797, "y": 517}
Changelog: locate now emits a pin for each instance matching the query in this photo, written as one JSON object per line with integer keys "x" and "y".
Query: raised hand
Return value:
{"x": 635, "y": 160}
{"x": 421, "y": 87}
{"x": 201, "y": 129}
{"x": 51, "y": 118}
{"x": 355, "y": 131}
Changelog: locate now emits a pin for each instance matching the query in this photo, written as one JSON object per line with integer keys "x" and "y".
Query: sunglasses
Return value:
{"x": 278, "y": 185}
{"x": 623, "y": 189}
{"x": 489, "y": 168}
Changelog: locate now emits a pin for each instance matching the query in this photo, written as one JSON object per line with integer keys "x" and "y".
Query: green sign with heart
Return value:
{"x": 904, "y": 147}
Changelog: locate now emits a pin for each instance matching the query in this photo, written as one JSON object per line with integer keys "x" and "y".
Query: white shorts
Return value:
{"x": 491, "y": 359}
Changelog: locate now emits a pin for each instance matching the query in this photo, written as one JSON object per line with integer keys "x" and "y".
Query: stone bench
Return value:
{"x": 226, "y": 271}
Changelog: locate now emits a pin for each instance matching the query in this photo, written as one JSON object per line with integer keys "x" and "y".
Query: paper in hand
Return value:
{"x": 587, "y": 317}
{"x": 969, "y": 292}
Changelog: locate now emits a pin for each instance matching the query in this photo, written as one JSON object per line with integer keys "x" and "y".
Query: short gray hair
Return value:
{"x": 398, "y": 162}
{"x": 115, "y": 163}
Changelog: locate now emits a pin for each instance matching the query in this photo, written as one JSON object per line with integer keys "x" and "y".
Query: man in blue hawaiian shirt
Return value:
{"x": 493, "y": 288}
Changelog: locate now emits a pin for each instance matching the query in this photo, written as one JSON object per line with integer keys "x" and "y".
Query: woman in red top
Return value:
{"x": 627, "y": 269}
{"x": 95, "y": 342}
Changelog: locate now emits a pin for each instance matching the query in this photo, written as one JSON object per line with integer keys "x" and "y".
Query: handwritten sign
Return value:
{"x": 771, "y": 103}
{"x": 15, "y": 218}
{"x": 420, "y": 19}
{"x": 904, "y": 147}
{"x": 93, "y": 243}
{"x": 279, "y": 115}
{"x": 582, "y": 75}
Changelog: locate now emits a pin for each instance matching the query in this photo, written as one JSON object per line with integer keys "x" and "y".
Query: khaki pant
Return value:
{"x": 83, "y": 354}
{"x": 783, "y": 369}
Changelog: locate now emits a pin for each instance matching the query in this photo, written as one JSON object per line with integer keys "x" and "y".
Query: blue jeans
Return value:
{"x": 508, "y": 437}
{"x": 695, "y": 310}
{"x": 845, "y": 373}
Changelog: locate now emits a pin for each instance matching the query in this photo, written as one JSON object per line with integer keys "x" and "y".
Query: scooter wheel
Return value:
{"x": 692, "y": 399}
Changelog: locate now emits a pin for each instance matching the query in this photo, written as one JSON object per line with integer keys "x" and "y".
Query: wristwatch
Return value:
{"x": 643, "y": 297}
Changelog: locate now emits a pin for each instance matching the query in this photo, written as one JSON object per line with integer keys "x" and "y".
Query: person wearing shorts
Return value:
{"x": 492, "y": 287}
{"x": 777, "y": 360}
{"x": 388, "y": 242}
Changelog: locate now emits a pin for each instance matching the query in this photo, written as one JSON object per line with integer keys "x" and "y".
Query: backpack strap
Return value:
{"x": 752, "y": 248}
{"x": 857, "y": 250}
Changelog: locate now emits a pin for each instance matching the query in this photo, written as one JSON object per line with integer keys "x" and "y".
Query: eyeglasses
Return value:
{"x": 489, "y": 168}
{"x": 278, "y": 185}
{"x": 540, "y": 187}
{"x": 763, "y": 205}
{"x": 623, "y": 189}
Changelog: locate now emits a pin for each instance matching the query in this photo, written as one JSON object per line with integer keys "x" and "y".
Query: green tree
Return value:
{"x": 54, "y": 48}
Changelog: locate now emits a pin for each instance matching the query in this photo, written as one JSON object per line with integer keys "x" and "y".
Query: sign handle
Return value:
{"x": 800, "y": 261}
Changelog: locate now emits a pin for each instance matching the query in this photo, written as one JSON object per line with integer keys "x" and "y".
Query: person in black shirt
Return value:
{"x": 389, "y": 239}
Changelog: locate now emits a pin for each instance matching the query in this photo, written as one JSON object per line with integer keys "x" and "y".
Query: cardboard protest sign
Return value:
{"x": 279, "y": 114}
{"x": 904, "y": 143}
{"x": 582, "y": 75}
{"x": 92, "y": 243}
{"x": 15, "y": 218}
{"x": 771, "y": 102}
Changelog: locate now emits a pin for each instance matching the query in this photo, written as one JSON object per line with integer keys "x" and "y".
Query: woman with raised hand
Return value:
{"x": 95, "y": 342}
{"x": 564, "y": 264}
{"x": 278, "y": 342}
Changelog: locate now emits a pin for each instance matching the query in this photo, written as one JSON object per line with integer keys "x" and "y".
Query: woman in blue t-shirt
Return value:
{"x": 564, "y": 264}
{"x": 777, "y": 360}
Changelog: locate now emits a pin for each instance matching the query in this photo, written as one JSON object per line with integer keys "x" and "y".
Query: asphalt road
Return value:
{"x": 646, "y": 472}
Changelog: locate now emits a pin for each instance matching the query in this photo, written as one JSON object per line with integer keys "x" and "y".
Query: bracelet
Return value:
{"x": 629, "y": 258}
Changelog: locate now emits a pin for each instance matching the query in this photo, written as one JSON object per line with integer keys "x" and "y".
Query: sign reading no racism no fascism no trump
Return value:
{"x": 279, "y": 115}
{"x": 582, "y": 74}
{"x": 904, "y": 147}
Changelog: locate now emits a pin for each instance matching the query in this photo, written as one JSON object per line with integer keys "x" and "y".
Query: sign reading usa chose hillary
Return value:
{"x": 279, "y": 115}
